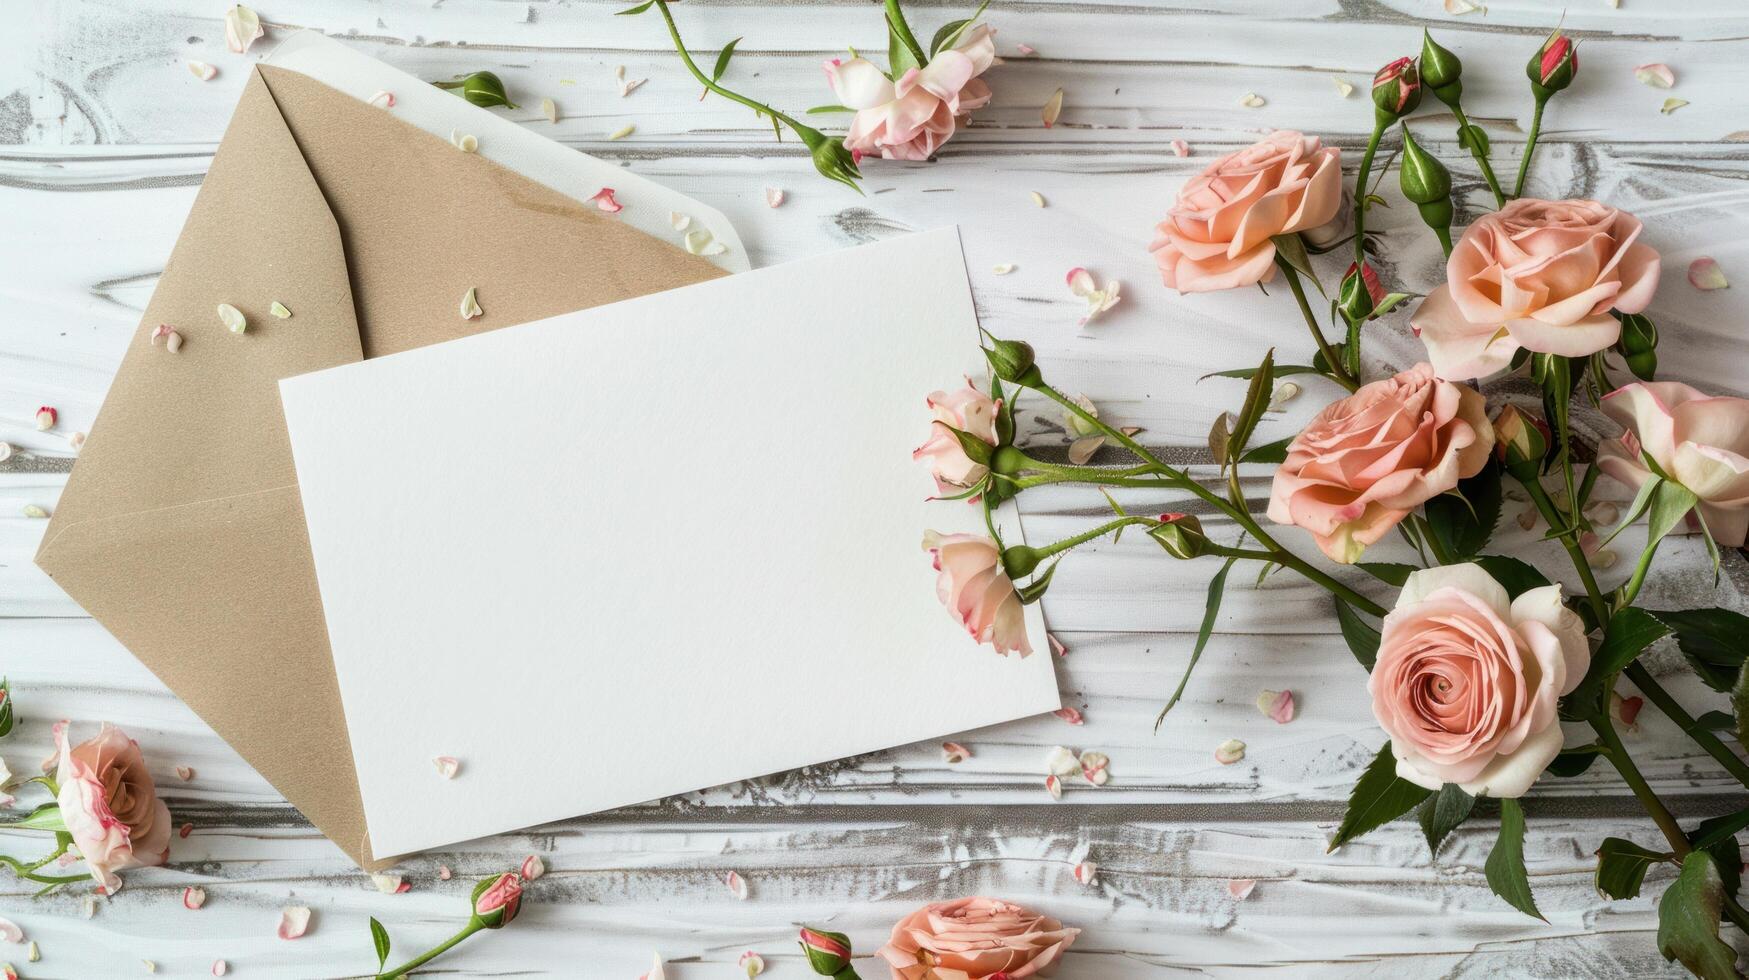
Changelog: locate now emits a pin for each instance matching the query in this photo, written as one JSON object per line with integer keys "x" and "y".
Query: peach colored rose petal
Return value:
{"x": 533, "y": 867}
{"x": 447, "y": 766}
{"x": 1057, "y": 646}
{"x": 737, "y": 885}
{"x": 184, "y": 773}
{"x": 1229, "y": 752}
{"x": 1026, "y": 50}
{"x": 1704, "y": 273}
{"x": 954, "y": 753}
{"x": 1054, "y": 786}
{"x": 9, "y": 932}
{"x": 1087, "y": 873}
{"x": 1180, "y": 149}
{"x": 1096, "y": 768}
{"x": 1053, "y": 108}
{"x": 1240, "y": 888}
{"x": 193, "y": 898}
{"x": 1070, "y": 715}
{"x": 603, "y": 199}
{"x": 294, "y": 921}
{"x": 220, "y": 968}
{"x": 202, "y": 70}
{"x": 1278, "y": 705}
{"x": 774, "y": 197}
{"x": 1657, "y": 75}
{"x": 185, "y": 830}
{"x": 443, "y": 872}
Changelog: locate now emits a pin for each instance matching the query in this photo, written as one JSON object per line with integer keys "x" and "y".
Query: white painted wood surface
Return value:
{"x": 105, "y": 136}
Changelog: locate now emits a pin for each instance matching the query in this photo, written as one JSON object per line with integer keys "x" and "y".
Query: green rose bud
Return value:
{"x": 1181, "y": 535}
{"x": 1396, "y": 89}
{"x": 482, "y": 88}
{"x": 1521, "y": 441}
{"x": 1014, "y": 362}
{"x": 496, "y": 901}
{"x": 828, "y": 953}
{"x": 831, "y": 159}
{"x": 1553, "y": 66}
{"x": 5, "y": 708}
{"x": 1426, "y": 182}
{"x": 1360, "y": 294}
{"x": 1639, "y": 345}
{"x": 1441, "y": 71}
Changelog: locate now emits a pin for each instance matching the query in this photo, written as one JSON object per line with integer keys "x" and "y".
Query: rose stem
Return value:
{"x": 674, "y": 32}
{"x": 1481, "y": 161}
{"x": 416, "y": 962}
{"x": 1618, "y": 756}
{"x": 1337, "y": 374}
{"x": 1644, "y": 680}
{"x": 1546, "y": 508}
{"x": 902, "y": 31}
{"x": 1536, "y": 125}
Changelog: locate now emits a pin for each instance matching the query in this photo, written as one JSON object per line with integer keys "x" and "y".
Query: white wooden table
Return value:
{"x": 107, "y": 135}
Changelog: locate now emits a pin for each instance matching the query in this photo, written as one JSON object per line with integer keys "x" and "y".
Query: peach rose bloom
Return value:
{"x": 1700, "y": 441}
{"x": 1467, "y": 680}
{"x": 1365, "y": 462}
{"x": 1538, "y": 275}
{"x": 1218, "y": 234}
{"x": 975, "y": 939}
{"x": 977, "y": 591}
{"x": 910, "y": 118}
{"x": 110, "y": 805}
{"x": 968, "y": 410}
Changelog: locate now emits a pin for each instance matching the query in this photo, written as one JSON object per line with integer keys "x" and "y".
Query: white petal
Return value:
{"x": 860, "y": 85}
{"x": 1509, "y": 777}
{"x": 1469, "y": 577}
{"x": 1544, "y": 606}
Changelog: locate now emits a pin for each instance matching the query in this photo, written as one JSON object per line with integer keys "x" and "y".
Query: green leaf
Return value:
{"x": 1642, "y": 500}
{"x": 1389, "y": 303}
{"x": 1256, "y": 400}
{"x": 1363, "y": 640}
{"x": 1281, "y": 371}
{"x": 640, "y": 8}
{"x": 1740, "y": 705}
{"x": 723, "y": 59}
{"x": 1573, "y": 762}
{"x": 1442, "y": 812}
{"x": 950, "y": 33}
{"x": 1518, "y": 577}
{"x": 1035, "y": 590}
{"x": 380, "y": 937}
{"x": 1622, "y": 866}
{"x": 1473, "y": 138}
{"x": 1715, "y": 721}
{"x": 1379, "y": 797}
{"x": 817, "y": 110}
{"x": 900, "y": 57}
{"x": 1269, "y": 452}
{"x": 1211, "y": 609}
{"x": 45, "y": 817}
{"x": 1688, "y": 920}
{"x": 1670, "y": 503}
{"x": 1388, "y": 572}
{"x": 1463, "y": 526}
{"x": 1715, "y": 829}
{"x": 5, "y": 707}
{"x": 1713, "y": 642}
{"x": 1728, "y": 858}
{"x": 1220, "y": 436}
{"x": 1291, "y": 248}
{"x": 1631, "y": 631}
{"x": 1505, "y": 866}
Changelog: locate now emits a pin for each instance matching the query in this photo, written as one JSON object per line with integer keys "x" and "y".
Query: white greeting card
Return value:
{"x": 649, "y": 547}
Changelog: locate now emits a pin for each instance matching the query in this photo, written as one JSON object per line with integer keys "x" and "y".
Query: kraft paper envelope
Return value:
{"x": 681, "y": 546}
{"x": 180, "y": 527}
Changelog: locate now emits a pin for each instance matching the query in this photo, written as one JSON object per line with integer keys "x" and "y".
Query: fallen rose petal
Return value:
{"x": 1657, "y": 75}
{"x": 233, "y": 318}
{"x": 622, "y": 132}
{"x": 294, "y": 921}
{"x": 549, "y": 109}
{"x": 6, "y": 451}
{"x": 1285, "y": 392}
{"x": 1003, "y": 268}
{"x": 1671, "y": 105}
{"x": 1251, "y": 100}
{"x": 184, "y": 773}
{"x": 1461, "y": 7}
{"x": 470, "y": 307}
{"x": 279, "y": 309}
{"x": 7, "y": 972}
{"x": 463, "y": 141}
{"x": 202, "y": 70}
{"x": 1704, "y": 273}
{"x": 75, "y": 440}
{"x": 46, "y": 417}
{"x": 1229, "y": 752}
{"x": 33, "y": 953}
{"x": 1026, "y": 50}
{"x": 193, "y": 898}
{"x": 701, "y": 242}
{"x": 753, "y": 963}
{"x": 603, "y": 199}
{"x": 89, "y": 906}
{"x": 533, "y": 867}
{"x": 1054, "y": 786}
{"x": 242, "y": 28}
{"x": 36, "y": 511}
{"x": 220, "y": 968}
{"x": 1626, "y": 710}
{"x": 1060, "y": 761}
{"x": 443, "y": 872}
{"x": 1082, "y": 449}
{"x": 679, "y": 221}
{"x": 1053, "y": 108}
{"x": 1180, "y": 148}
{"x": 1038, "y": 199}
{"x": 387, "y": 882}
{"x": 185, "y": 830}
{"x": 1342, "y": 87}
{"x": 1278, "y": 705}
{"x": 1095, "y": 768}
{"x": 954, "y": 753}
{"x": 1087, "y": 873}
{"x": 151, "y": 966}
{"x": 1070, "y": 715}
{"x": 9, "y": 932}
{"x": 656, "y": 971}
{"x": 737, "y": 885}
{"x": 162, "y": 332}
{"x": 1057, "y": 646}
{"x": 384, "y": 98}
{"x": 1240, "y": 888}
{"x": 774, "y": 197}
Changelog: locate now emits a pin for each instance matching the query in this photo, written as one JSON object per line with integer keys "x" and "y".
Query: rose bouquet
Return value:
{"x": 1481, "y": 656}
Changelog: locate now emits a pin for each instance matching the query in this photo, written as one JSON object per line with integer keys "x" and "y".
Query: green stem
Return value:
{"x": 1360, "y": 192}
{"x": 1443, "y": 233}
{"x": 1632, "y": 589}
{"x": 1439, "y": 553}
{"x": 1550, "y": 513}
{"x": 1086, "y": 536}
{"x": 1481, "y": 161}
{"x": 1655, "y": 692}
{"x": 902, "y": 31}
{"x": 1337, "y": 374}
{"x": 28, "y": 871}
{"x": 1536, "y": 126}
{"x": 1617, "y": 755}
{"x": 1738, "y": 916}
{"x": 1246, "y": 553}
{"x": 416, "y": 962}
{"x": 679, "y": 46}
{"x": 1240, "y": 515}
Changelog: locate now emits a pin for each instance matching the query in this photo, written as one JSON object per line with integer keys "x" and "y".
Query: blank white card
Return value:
{"x": 650, "y": 547}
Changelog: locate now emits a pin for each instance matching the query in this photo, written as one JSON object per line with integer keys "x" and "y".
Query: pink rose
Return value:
{"x": 911, "y": 118}
{"x": 1218, "y": 234}
{"x": 977, "y": 591}
{"x": 497, "y": 900}
{"x": 1539, "y": 275}
{"x": 110, "y": 805}
{"x": 1466, "y": 680}
{"x": 968, "y": 410}
{"x": 975, "y": 939}
{"x": 1699, "y": 441}
{"x": 1366, "y": 461}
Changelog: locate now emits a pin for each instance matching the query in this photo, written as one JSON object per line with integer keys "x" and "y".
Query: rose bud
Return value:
{"x": 1396, "y": 89}
{"x": 1553, "y": 66}
{"x": 1639, "y": 345}
{"x": 482, "y": 88}
{"x": 1180, "y": 534}
{"x": 828, "y": 952}
{"x": 5, "y": 716}
{"x": 1521, "y": 441}
{"x": 497, "y": 900}
{"x": 1441, "y": 71}
{"x": 1361, "y": 292}
{"x": 831, "y": 159}
{"x": 1426, "y": 182}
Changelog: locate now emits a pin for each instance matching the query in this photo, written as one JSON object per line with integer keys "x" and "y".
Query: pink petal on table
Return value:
{"x": 202, "y": 70}
{"x": 753, "y": 963}
{"x": 1060, "y": 761}
{"x": 1278, "y": 705}
{"x": 773, "y": 196}
{"x": 384, "y": 98}
{"x": 532, "y": 867}
{"x": 193, "y": 898}
{"x": 1180, "y": 148}
{"x": 1657, "y": 75}
{"x": 1087, "y": 873}
{"x": 220, "y": 968}
{"x": 443, "y": 872}
{"x": 1026, "y": 50}
{"x": 603, "y": 199}
{"x": 1054, "y": 786}
{"x": 1704, "y": 273}
{"x": 9, "y": 931}
{"x": 185, "y": 830}
{"x": 1057, "y": 646}
{"x": 953, "y": 753}
{"x": 447, "y": 766}
{"x": 1070, "y": 715}
{"x": 1229, "y": 752}
{"x": 242, "y": 28}
{"x": 737, "y": 885}
{"x": 184, "y": 773}
{"x": 1240, "y": 888}
{"x": 1095, "y": 768}
{"x": 656, "y": 971}
{"x": 388, "y": 883}
{"x": 294, "y": 921}
{"x": 46, "y": 417}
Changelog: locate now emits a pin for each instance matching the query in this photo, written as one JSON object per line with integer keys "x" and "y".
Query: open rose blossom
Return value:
{"x": 910, "y": 118}
{"x": 977, "y": 591}
{"x": 976, "y": 939}
{"x": 109, "y": 804}
{"x": 1699, "y": 441}
{"x": 968, "y": 410}
{"x": 1366, "y": 461}
{"x": 1466, "y": 680}
{"x": 1538, "y": 275}
{"x": 1218, "y": 234}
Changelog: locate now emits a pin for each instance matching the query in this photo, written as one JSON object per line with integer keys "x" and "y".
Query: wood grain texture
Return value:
{"x": 104, "y": 137}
